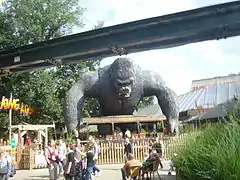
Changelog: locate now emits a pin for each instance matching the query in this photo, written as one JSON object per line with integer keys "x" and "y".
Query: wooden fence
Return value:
{"x": 28, "y": 159}
{"x": 112, "y": 152}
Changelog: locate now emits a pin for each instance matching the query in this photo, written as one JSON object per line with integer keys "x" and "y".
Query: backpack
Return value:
{"x": 4, "y": 165}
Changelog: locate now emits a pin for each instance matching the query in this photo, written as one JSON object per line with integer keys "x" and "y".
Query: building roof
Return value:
{"x": 122, "y": 119}
{"x": 216, "y": 112}
{"x": 217, "y": 77}
{"x": 186, "y": 102}
{"x": 207, "y": 97}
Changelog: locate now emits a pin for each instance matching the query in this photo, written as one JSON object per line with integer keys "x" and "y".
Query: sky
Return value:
{"x": 177, "y": 66}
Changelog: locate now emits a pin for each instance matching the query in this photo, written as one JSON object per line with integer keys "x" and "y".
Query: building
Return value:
{"x": 230, "y": 79}
{"x": 197, "y": 101}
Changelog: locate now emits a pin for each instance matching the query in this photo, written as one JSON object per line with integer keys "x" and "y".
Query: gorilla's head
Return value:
{"x": 122, "y": 74}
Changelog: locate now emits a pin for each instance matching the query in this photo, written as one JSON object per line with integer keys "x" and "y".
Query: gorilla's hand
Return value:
{"x": 173, "y": 123}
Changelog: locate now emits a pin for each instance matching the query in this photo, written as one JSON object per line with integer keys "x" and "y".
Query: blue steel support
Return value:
{"x": 208, "y": 23}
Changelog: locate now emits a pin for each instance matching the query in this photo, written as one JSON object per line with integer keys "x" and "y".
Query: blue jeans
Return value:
{"x": 4, "y": 176}
{"x": 95, "y": 168}
{"x": 89, "y": 172}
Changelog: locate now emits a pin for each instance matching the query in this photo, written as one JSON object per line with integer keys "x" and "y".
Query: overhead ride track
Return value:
{"x": 202, "y": 24}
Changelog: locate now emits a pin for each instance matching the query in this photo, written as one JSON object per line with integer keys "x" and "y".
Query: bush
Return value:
{"x": 213, "y": 153}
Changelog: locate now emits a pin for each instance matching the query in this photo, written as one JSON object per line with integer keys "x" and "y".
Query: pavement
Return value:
{"x": 108, "y": 172}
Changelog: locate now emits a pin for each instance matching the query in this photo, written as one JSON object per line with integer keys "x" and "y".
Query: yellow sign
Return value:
{"x": 14, "y": 104}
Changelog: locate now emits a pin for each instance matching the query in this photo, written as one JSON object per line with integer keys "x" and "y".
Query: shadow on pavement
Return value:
{"x": 110, "y": 169}
{"x": 41, "y": 176}
{"x": 167, "y": 177}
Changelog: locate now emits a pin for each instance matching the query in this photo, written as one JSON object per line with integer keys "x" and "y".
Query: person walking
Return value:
{"x": 127, "y": 148}
{"x": 50, "y": 157}
{"x": 70, "y": 168}
{"x": 89, "y": 157}
{"x": 96, "y": 170}
{"x": 62, "y": 150}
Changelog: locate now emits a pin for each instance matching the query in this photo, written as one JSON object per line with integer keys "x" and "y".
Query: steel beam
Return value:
{"x": 208, "y": 23}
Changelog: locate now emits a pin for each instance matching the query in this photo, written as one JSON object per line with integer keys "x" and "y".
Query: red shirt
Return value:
{"x": 50, "y": 154}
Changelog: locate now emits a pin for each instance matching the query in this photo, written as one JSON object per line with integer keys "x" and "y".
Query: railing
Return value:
{"x": 112, "y": 152}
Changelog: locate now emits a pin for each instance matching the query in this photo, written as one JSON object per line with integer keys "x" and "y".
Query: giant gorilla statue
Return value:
{"x": 119, "y": 87}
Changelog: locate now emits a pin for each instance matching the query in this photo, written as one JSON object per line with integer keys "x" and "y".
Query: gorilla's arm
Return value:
{"x": 86, "y": 86}
{"x": 153, "y": 84}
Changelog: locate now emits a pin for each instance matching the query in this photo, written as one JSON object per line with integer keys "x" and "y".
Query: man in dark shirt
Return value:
{"x": 127, "y": 147}
{"x": 90, "y": 156}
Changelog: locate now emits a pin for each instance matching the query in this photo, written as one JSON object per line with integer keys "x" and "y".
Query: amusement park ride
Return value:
{"x": 202, "y": 24}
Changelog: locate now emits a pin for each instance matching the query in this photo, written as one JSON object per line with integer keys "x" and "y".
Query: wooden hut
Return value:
{"x": 113, "y": 120}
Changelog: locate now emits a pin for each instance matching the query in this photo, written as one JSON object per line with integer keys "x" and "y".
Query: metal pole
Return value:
{"x": 55, "y": 133}
{"x": 10, "y": 119}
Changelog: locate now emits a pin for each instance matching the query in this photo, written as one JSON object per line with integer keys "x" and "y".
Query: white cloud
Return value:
{"x": 178, "y": 66}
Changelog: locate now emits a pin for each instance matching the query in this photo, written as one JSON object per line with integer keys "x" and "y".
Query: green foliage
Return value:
{"x": 70, "y": 139}
{"x": 48, "y": 106}
{"x": 146, "y": 101}
{"x": 91, "y": 108}
{"x": 36, "y": 89}
{"x": 24, "y": 22}
{"x": 67, "y": 75}
{"x": 213, "y": 153}
{"x": 31, "y": 21}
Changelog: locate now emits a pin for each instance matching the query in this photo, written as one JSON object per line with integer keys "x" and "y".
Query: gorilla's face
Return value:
{"x": 123, "y": 76}
{"x": 124, "y": 87}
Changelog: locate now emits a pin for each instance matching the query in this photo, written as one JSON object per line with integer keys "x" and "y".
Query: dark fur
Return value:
{"x": 111, "y": 84}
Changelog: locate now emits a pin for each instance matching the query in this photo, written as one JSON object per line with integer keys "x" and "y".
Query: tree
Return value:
{"x": 31, "y": 21}
{"x": 24, "y": 22}
{"x": 67, "y": 75}
{"x": 44, "y": 99}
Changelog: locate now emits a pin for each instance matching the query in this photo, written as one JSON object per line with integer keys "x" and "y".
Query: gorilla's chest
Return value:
{"x": 110, "y": 105}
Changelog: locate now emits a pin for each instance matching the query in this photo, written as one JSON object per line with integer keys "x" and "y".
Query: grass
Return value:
{"x": 214, "y": 153}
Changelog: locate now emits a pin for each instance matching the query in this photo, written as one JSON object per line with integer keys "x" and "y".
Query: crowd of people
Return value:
{"x": 74, "y": 161}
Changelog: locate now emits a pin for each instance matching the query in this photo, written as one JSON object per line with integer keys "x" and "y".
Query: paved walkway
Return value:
{"x": 109, "y": 172}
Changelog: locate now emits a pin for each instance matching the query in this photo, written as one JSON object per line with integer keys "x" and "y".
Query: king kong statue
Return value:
{"x": 119, "y": 87}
